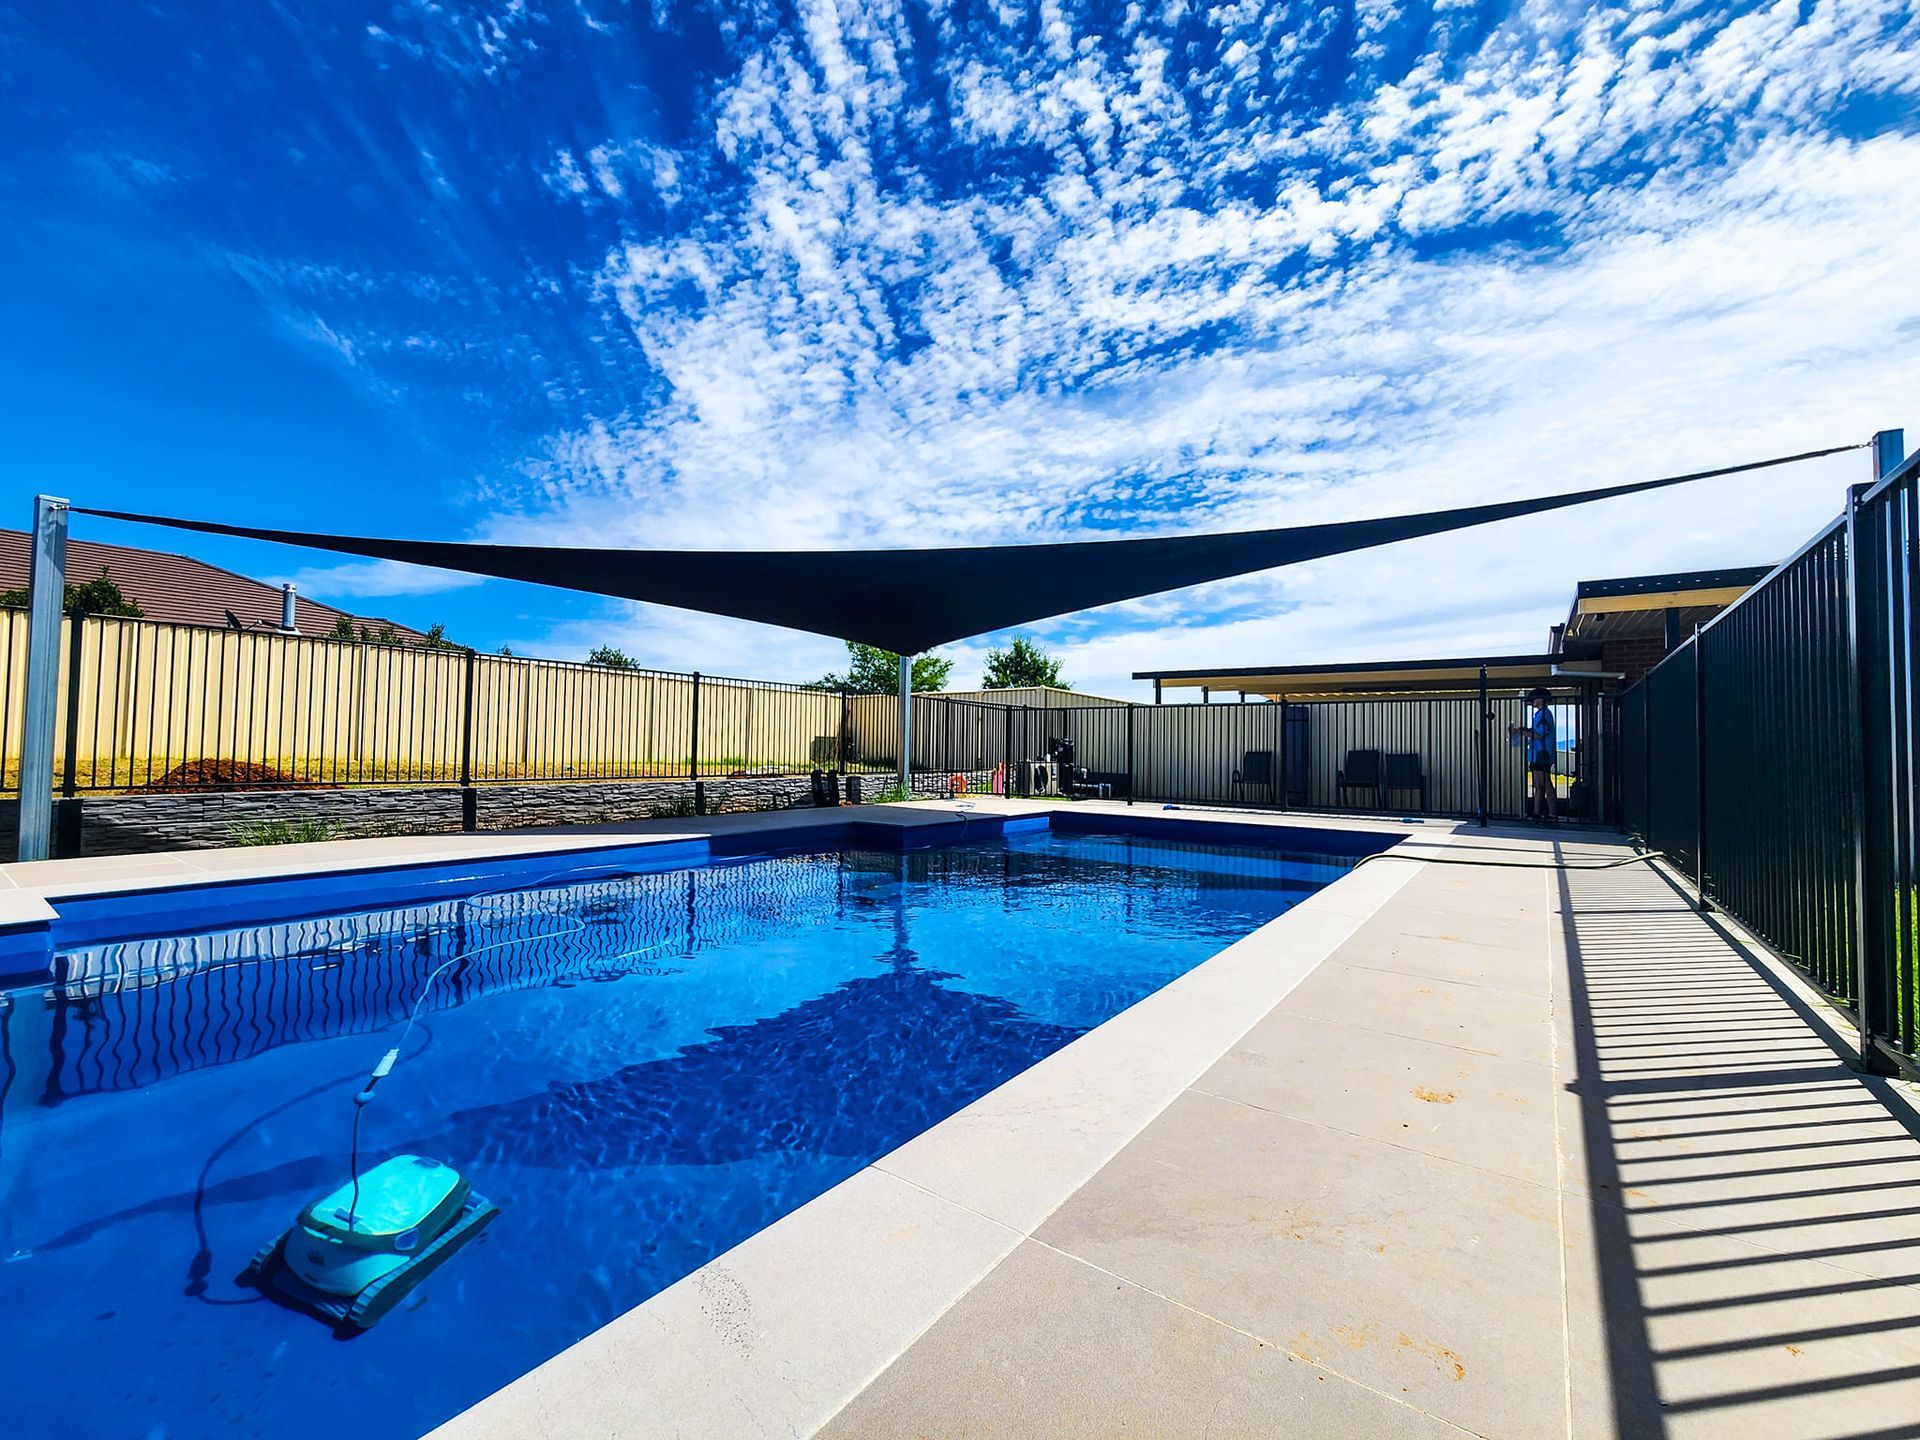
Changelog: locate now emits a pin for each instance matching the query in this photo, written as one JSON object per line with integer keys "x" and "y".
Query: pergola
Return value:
{"x": 1645, "y": 606}
{"x": 1376, "y": 679}
{"x": 906, "y": 601}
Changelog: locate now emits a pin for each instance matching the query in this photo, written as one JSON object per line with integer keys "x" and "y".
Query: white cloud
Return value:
{"x": 1115, "y": 281}
{"x": 362, "y": 579}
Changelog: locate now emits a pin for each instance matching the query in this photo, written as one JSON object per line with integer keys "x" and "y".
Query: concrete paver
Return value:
{"x": 1030, "y": 1352}
{"x": 1659, "y": 1204}
{"x": 1430, "y": 1281}
{"x": 1484, "y": 1110}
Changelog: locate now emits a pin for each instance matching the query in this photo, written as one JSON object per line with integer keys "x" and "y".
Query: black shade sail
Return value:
{"x": 909, "y": 601}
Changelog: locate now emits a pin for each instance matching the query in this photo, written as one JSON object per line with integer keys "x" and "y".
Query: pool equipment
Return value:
{"x": 353, "y": 1255}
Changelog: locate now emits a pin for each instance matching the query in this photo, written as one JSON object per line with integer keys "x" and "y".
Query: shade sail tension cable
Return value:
{"x": 909, "y": 601}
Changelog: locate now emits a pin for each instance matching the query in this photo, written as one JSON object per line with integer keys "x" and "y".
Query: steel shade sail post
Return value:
{"x": 46, "y": 593}
{"x": 469, "y": 798}
{"x": 693, "y": 752}
{"x": 906, "y": 724}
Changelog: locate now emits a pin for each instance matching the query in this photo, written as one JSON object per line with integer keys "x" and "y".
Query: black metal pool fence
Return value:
{"x": 1773, "y": 757}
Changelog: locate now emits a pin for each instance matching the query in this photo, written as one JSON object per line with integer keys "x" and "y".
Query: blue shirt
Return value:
{"x": 1541, "y": 737}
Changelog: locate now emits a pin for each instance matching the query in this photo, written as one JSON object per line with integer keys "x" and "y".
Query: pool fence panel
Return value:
{"x": 1773, "y": 757}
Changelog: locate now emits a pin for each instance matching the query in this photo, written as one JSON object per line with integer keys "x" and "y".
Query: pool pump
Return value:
{"x": 354, "y": 1254}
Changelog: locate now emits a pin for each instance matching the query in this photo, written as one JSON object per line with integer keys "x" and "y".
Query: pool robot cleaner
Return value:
{"x": 354, "y": 1254}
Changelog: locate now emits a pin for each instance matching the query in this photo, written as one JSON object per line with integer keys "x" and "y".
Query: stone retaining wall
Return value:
{"x": 129, "y": 824}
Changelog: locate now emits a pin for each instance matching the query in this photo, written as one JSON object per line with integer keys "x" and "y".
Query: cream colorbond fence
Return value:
{"x": 146, "y": 705}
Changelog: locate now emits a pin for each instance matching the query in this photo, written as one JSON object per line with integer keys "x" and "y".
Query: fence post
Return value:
{"x": 1130, "y": 710}
{"x": 1700, "y": 749}
{"x": 46, "y": 586}
{"x": 1871, "y": 947}
{"x": 693, "y": 752}
{"x": 840, "y": 738}
{"x": 66, "y": 827}
{"x": 1480, "y": 756}
{"x": 469, "y": 797}
{"x": 1286, "y": 743}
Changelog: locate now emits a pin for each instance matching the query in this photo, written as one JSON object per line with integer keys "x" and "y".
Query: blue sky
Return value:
{"x": 786, "y": 276}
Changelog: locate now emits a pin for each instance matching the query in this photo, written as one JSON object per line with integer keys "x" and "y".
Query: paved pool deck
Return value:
{"x": 1446, "y": 1150}
{"x": 1507, "y": 1152}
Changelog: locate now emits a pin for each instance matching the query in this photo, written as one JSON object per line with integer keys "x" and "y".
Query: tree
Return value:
{"x": 436, "y": 638}
{"x": 1021, "y": 664}
{"x": 612, "y": 658}
{"x": 873, "y": 671}
{"x": 96, "y": 597}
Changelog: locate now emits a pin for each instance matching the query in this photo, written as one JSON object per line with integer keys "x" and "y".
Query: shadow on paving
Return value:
{"x": 1754, "y": 1203}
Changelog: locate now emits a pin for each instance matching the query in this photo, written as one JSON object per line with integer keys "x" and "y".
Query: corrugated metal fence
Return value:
{"x": 152, "y": 707}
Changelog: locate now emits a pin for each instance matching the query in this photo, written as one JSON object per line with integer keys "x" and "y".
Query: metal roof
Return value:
{"x": 1638, "y": 604}
{"x": 1449, "y": 675}
{"x": 1743, "y": 576}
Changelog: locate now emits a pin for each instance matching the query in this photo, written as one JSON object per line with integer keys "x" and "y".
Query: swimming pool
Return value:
{"x": 641, "y": 1069}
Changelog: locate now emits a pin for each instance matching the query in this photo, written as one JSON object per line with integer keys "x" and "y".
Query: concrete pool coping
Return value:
{"x": 776, "y": 1335}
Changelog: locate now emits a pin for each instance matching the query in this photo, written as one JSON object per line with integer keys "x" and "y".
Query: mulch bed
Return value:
{"x": 192, "y": 775}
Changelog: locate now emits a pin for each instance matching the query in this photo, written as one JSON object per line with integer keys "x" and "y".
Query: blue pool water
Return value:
{"x": 641, "y": 1070}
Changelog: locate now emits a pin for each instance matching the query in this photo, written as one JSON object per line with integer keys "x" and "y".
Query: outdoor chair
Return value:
{"x": 1403, "y": 773}
{"x": 1256, "y": 769}
{"x": 1361, "y": 772}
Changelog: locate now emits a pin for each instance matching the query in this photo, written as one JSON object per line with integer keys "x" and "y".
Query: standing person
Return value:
{"x": 1542, "y": 749}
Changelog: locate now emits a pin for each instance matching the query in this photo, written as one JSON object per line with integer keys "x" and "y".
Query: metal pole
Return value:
{"x": 1870, "y": 955}
{"x": 1156, "y": 692}
{"x": 1700, "y": 772}
{"x": 906, "y": 724}
{"x": 693, "y": 752}
{"x": 1006, "y": 781}
{"x": 469, "y": 799}
{"x": 1481, "y": 755}
{"x": 46, "y": 589}
{"x": 1281, "y": 760}
{"x": 1130, "y": 710}
{"x": 66, "y": 810}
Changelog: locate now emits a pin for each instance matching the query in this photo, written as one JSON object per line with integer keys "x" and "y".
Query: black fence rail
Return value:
{"x": 1773, "y": 755}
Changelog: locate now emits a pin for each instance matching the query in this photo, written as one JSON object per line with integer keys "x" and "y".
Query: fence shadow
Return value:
{"x": 1752, "y": 1204}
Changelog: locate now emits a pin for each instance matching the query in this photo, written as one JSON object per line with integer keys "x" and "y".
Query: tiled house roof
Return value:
{"x": 180, "y": 590}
